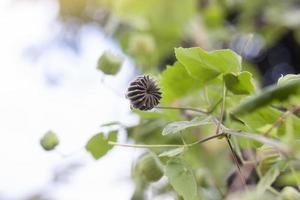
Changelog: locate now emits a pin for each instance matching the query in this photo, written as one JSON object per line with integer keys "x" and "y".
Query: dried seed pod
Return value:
{"x": 143, "y": 93}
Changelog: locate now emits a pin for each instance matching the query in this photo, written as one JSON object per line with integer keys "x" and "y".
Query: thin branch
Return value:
{"x": 165, "y": 145}
{"x": 145, "y": 145}
{"x": 182, "y": 108}
{"x": 281, "y": 119}
{"x": 222, "y": 109}
{"x": 262, "y": 139}
{"x": 236, "y": 162}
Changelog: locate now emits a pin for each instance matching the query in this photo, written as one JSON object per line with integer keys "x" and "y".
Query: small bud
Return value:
{"x": 109, "y": 63}
{"x": 149, "y": 167}
{"x": 49, "y": 141}
{"x": 143, "y": 93}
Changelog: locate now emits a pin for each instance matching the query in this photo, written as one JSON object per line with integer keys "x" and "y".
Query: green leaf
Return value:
{"x": 288, "y": 78}
{"x": 49, "y": 141}
{"x": 176, "y": 82}
{"x": 98, "y": 145}
{"x": 205, "y": 66}
{"x": 172, "y": 152}
{"x": 176, "y": 127}
{"x": 109, "y": 63}
{"x": 182, "y": 179}
{"x": 240, "y": 83}
{"x": 269, "y": 95}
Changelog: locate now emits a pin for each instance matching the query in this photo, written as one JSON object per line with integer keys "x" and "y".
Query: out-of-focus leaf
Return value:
{"x": 271, "y": 175}
{"x": 266, "y": 156}
{"x": 269, "y": 95}
{"x": 176, "y": 127}
{"x": 172, "y": 152}
{"x": 240, "y": 83}
{"x": 182, "y": 179}
{"x": 49, "y": 141}
{"x": 98, "y": 145}
{"x": 205, "y": 66}
{"x": 289, "y": 178}
{"x": 176, "y": 82}
{"x": 109, "y": 63}
{"x": 288, "y": 78}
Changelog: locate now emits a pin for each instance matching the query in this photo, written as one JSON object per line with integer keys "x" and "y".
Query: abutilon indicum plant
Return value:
{"x": 212, "y": 133}
{"x": 208, "y": 131}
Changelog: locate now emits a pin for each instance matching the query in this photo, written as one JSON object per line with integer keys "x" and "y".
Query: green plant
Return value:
{"x": 234, "y": 111}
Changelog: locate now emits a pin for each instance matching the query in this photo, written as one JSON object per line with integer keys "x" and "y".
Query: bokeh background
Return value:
{"x": 49, "y": 79}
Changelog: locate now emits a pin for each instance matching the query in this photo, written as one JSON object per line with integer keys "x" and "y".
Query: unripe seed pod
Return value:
{"x": 49, "y": 141}
{"x": 143, "y": 93}
{"x": 289, "y": 193}
{"x": 149, "y": 168}
{"x": 109, "y": 63}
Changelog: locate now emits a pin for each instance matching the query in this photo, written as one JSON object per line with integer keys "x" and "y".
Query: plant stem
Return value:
{"x": 182, "y": 108}
{"x": 236, "y": 162}
{"x": 165, "y": 145}
{"x": 281, "y": 119}
{"x": 222, "y": 109}
{"x": 281, "y": 147}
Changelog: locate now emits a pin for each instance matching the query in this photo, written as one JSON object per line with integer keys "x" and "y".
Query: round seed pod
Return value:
{"x": 149, "y": 168}
{"x": 289, "y": 193}
{"x": 143, "y": 93}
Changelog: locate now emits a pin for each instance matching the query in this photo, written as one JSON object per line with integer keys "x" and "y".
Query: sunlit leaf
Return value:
{"x": 240, "y": 83}
{"x": 176, "y": 127}
{"x": 182, "y": 179}
{"x": 205, "y": 66}
{"x": 98, "y": 145}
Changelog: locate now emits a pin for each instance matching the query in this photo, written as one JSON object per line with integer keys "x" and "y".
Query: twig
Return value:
{"x": 262, "y": 139}
{"x": 236, "y": 162}
{"x": 220, "y": 121}
{"x": 165, "y": 145}
{"x": 183, "y": 108}
{"x": 281, "y": 119}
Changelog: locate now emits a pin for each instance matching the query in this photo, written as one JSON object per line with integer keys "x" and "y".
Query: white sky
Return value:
{"x": 74, "y": 108}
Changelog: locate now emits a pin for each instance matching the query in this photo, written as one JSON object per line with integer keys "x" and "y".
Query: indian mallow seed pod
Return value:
{"x": 143, "y": 93}
{"x": 289, "y": 193}
{"x": 149, "y": 167}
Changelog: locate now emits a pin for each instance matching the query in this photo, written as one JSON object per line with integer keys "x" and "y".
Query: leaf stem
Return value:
{"x": 220, "y": 121}
{"x": 182, "y": 108}
{"x": 165, "y": 145}
{"x": 236, "y": 162}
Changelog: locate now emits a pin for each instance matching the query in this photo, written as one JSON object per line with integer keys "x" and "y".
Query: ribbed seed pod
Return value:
{"x": 143, "y": 93}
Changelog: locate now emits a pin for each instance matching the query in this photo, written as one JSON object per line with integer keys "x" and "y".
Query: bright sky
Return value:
{"x": 61, "y": 91}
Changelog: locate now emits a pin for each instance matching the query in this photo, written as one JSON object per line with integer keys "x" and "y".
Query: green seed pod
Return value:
{"x": 141, "y": 44}
{"x": 109, "y": 63}
{"x": 289, "y": 193}
{"x": 49, "y": 141}
{"x": 267, "y": 156}
{"x": 149, "y": 167}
